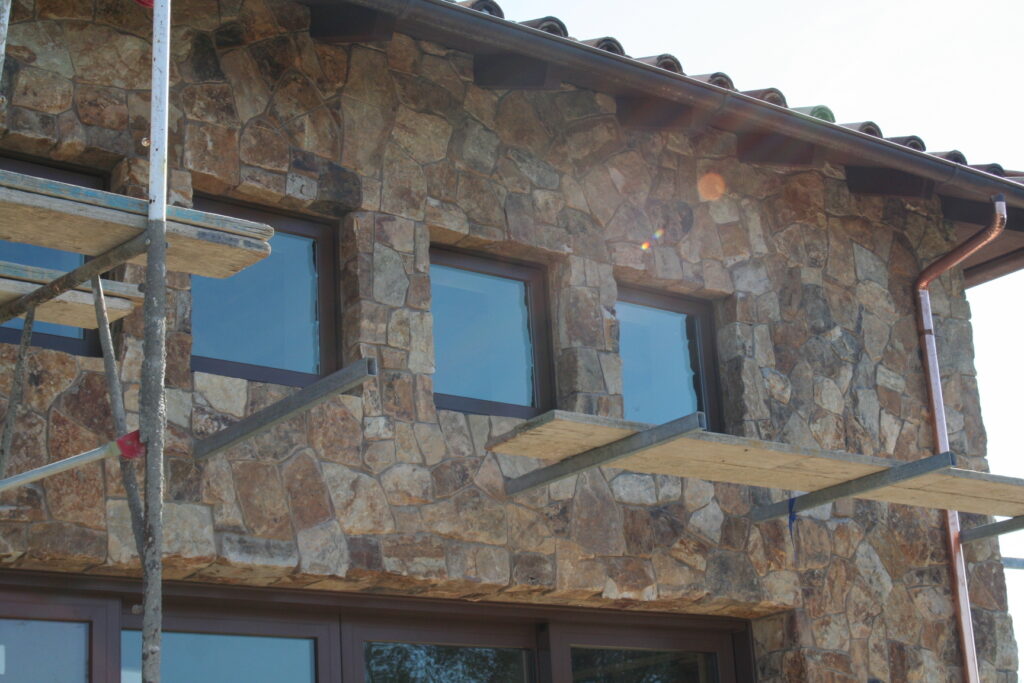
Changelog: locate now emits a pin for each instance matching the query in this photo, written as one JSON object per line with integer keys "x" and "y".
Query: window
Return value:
{"x": 275, "y": 320}
{"x": 667, "y": 350}
{"x": 247, "y": 647}
{"x": 46, "y": 639}
{"x": 48, "y": 335}
{"x": 491, "y": 343}
{"x": 223, "y": 634}
{"x": 417, "y": 650}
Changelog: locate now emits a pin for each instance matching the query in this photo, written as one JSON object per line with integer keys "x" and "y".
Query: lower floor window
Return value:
{"x": 596, "y": 665}
{"x": 223, "y": 658}
{"x": 91, "y": 635}
{"x": 29, "y": 650}
{"x": 390, "y": 662}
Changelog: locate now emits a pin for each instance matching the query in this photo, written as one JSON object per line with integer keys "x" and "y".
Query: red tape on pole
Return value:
{"x": 131, "y": 445}
{"x": 145, "y": 3}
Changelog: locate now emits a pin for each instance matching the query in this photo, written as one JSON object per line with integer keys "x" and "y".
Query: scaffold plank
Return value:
{"x": 57, "y": 215}
{"x": 73, "y": 308}
{"x": 558, "y": 435}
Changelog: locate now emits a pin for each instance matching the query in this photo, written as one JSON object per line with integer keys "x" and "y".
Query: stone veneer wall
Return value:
{"x": 392, "y": 142}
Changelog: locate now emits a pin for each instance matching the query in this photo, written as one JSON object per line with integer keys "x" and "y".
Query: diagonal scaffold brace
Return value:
{"x": 854, "y": 487}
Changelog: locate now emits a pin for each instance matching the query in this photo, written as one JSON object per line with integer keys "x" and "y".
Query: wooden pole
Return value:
{"x": 152, "y": 409}
{"x": 128, "y": 479}
{"x": 17, "y": 388}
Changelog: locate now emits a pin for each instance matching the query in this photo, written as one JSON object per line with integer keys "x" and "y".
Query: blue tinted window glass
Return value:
{"x": 214, "y": 658}
{"x": 264, "y": 315}
{"x": 415, "y": 663}
{"x": 481, "y": 336}
{"x": 657, "y": 379}
{"x": 41, "y": 257}
{"x": 43, "y": 651}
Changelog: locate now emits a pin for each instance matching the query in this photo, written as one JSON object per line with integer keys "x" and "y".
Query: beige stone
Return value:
{"x": 359, "y": 501}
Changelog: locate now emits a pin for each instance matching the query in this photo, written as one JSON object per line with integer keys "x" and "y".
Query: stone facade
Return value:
{"x": 378, "y": 490}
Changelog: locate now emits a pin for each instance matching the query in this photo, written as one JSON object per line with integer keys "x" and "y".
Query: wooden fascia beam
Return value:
{"x": 513, "y": 71}
{"x": 887, "y": 181}
{"x": 334, "y": 22}
{"x": 652, "y": 113}
{"x": 772, "y": 148}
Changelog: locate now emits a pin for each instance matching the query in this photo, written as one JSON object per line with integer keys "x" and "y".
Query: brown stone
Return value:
{"x": 209, "y": 153}
{"x": 359, "y": 501}
{"x": 629, "y": 578}
{"x": 261, "y": 497}
{"x": 407, "y": 484}
{"x": 104, "y": 107}
{"x": 210, "y": 103}
{"x": 597, "y": 524}
{"x": 64, "y": 546}
{"x": 335, "y": 431}
{"x": 397, "y": 395}
{"x": 417, "y": 556}
{"x": 88, "y": 403}
{"x": 452, "y": 476}
{"x": 518, "y": 125}
{"x": 307, "y": 493}
{"x": 76, "y": 495}
{"x": 468, "y": 516}
{"x": 103, "y": 56}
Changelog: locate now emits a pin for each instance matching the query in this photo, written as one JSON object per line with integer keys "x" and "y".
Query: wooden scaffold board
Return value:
{"x": 57, "y": 215}
{"x": 73, "y": 308}
{"x": 558, "y": 435}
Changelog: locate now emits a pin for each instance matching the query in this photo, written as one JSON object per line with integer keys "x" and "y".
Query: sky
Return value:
{"x": 943, "y": 70}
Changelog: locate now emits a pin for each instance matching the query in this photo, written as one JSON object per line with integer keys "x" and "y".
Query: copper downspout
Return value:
{"x": 957, "y": 567}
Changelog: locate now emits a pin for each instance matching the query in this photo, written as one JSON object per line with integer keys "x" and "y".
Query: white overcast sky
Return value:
{"x": 944, "y": 70}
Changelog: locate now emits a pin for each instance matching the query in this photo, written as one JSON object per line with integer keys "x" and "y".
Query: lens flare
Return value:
{"x": 645, "y": 246}
{"x": 711, "y": 186}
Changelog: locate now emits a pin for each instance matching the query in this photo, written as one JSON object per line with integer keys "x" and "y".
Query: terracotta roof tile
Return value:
{"x": 911, "y": 141}
{"x": 769, "y": 95}
{"x": 552, "y": 25}
{"x": 718, "y": 79}
{"x": 867, "y": 127}
{"x": 608, "y": 44}
{"x": 555, "y": 26}
{"x": 666, "y": 62}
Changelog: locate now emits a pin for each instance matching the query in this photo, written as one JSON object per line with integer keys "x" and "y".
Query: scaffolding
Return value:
{"x": 113, "y": 230}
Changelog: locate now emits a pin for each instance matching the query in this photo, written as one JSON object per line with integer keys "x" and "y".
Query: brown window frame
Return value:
{"x": 563, "y": 636}
{"x": 100, "y": 614}
{"x": 535, "y": 278}
{"x": 342, "y": 622}
{"x": 700, "y": 325}
{"x": 326, "y": 246}
{"x": 89, "y": 343}
{"x": 251, "y": 622}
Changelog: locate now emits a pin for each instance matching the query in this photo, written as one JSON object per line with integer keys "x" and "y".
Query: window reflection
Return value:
{"x": 216, "y": 658}
{"x": 43, "y": 651}
{"x": 418, "y": 663}
{"x": 657, "y": 373}
{"x": 599, "y": 665}
{"x": 481, "y": 336}
{"x": 265, "y": 315}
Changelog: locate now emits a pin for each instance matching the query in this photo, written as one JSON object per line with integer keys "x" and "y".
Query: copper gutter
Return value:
{"x": 926, "y": 329}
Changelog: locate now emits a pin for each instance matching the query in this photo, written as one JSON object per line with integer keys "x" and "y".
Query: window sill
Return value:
{"x": 478, "y": 406}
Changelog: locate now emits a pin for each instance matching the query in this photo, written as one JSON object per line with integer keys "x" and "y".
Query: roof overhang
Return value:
{"x": 763, "y": 127}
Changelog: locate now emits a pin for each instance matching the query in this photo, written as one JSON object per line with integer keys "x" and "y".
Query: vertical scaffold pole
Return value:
{"x": 5, "y": 21}
{"x": 152, "y": 410}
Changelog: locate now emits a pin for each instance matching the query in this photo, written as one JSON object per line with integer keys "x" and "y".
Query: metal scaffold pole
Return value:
{"x": 153, "y": 417}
